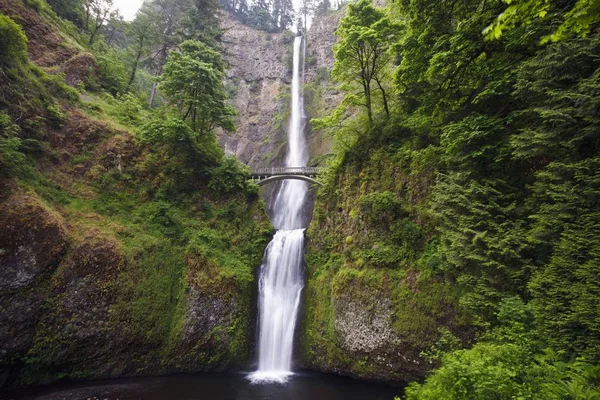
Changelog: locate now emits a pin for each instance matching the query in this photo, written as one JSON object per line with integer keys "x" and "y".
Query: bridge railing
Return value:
{"x": 286, "y": 171}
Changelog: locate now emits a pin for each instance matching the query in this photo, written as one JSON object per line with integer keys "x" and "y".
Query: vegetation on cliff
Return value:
{"x": 128, "y": 239}
{"x": 481, "y": 179}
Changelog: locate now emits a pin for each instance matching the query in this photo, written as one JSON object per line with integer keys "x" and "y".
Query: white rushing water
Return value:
{"x": 281, "y": 279}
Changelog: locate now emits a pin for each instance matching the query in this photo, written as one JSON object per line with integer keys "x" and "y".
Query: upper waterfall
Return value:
{"x": 292, "y": 195}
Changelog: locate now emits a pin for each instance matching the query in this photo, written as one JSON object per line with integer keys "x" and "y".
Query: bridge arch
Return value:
{"x": 262, "y": 176}
{"x": 276, "y": 178}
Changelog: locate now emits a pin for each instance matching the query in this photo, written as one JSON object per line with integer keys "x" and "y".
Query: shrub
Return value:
{"x": 112, "y": 73}
{"x": 129, "y": 109}
{"x": 37, "y": 5}
{"x": 11, "y": 158}
{"x": 189, "y": 156}
{"x": 13, "y": 42}
{"x": 380, "y": 206}
{"x": 56, "y": 116}
{"x": 229, "y": 176}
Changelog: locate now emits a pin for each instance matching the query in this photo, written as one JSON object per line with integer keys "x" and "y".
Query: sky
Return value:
{"x": 128, "y": 8}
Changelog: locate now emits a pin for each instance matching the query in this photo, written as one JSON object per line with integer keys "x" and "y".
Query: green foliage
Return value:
{"x": 578, "y": 21}
{"x": 508, "y": 364}
{"x": 188, "y": 156}
{"x": 380, "y": 206}
{"x": 497, "y": 144}
{"x": 112, "y": 72}
{"x": 13, "y": 43}
{"x": 12, "y": 159}
{"x": 193, "y": 78}
{"x": 361, "y": 53}
{"x": 129, "y": 110}
{"x": 56, "y": 116}
{"x": 37, "y": 5}
{"x": 71, "y": 10}
{"x": 566, "y": 290}
{"x": 229, "y": 176}
{"x": 266, "y": 15}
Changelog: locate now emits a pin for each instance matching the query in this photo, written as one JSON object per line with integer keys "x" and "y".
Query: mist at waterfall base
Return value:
{"x": 281, "y": 276}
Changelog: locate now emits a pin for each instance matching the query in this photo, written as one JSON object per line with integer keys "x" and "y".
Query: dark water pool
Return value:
{"x": 213, "y": 386}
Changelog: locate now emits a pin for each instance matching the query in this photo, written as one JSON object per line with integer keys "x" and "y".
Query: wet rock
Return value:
{"x": 32, "y": 241}
{"x": 76, "y": 335}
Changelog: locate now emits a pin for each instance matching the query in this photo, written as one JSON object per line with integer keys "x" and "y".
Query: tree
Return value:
{"x": 307, "y": 8}
{"x": 323, "y": 7}
{"x": 115, "y": 28}
{"x": 73, "y": 10}
{"x": 282, "y": 14}
{"x": 169, "y": 24}
{"x": 97, "y": 13}
{"x": 142, "y": 30}
{"x": 193, "y": 77}
{"x": 286, "y": 15}
{"x": 362, "y": 52}
{"x": 203, "y": 22}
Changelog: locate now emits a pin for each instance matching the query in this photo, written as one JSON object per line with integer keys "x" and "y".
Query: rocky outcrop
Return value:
{"x": 322, "y": 94}
{"x": 76, "y": 333}
{"x": 81, "y": 70}
{"x": 321, "y": 39}
{"x": 32, "y": 242}
{"x": 258, "y": 80}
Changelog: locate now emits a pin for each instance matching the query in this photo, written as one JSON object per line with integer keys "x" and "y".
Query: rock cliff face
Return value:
{"x": 258, "y": 80}
{"x": 71, "y": 306}
{"x": 321, "y": 94}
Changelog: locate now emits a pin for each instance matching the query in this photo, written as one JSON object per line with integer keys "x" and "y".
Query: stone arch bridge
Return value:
{"x": 263, "y": 176}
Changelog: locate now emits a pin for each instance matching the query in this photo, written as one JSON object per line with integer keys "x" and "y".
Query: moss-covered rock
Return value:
{"x": 77, "y": 336}
{"x": 370, "y": 311}
{"x": 33, "y": 239}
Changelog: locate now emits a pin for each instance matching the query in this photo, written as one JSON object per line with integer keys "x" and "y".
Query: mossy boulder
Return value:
{"x": 215, "y": 326}
{"x": 81, "y": 70}
{"x": 32, "y": 241}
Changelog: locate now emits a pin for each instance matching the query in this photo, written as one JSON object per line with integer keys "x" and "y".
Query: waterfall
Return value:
{"x": 281, "y": 279}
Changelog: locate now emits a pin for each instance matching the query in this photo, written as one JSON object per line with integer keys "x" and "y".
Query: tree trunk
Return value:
{"x": 384, "y": 96}
{"x": 134, "y": 70}
{"x": 137, "y": 60}
{"x": 154, "y": 86}
{"x": 368, "y": 104}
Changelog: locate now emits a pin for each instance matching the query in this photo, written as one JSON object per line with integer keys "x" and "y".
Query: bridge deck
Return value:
{"x": 268, "y": 172}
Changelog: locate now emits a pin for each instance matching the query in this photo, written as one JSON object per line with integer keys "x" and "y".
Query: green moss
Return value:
{"x": 365, "y": 242}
